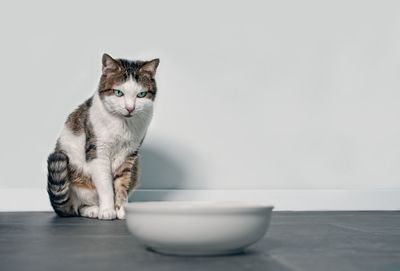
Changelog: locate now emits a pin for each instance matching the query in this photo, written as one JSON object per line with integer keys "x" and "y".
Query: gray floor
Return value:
{"x": 296, "y": 241}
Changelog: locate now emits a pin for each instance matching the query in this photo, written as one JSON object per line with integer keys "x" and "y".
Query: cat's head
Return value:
{"x": 127, "y": 87}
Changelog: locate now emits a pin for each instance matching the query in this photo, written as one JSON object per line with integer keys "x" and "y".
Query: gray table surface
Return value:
{"x": 296, "y": 241}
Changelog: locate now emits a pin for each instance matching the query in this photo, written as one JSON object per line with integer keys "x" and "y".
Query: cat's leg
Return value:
{"x": 125, "y": 179}
{"x": 85, "y": 197}
{"x": 102, "y": 179}
{"x": 84, "y": 194}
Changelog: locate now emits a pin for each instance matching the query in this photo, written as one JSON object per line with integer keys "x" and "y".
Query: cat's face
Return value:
{"x": 128, "y": 88}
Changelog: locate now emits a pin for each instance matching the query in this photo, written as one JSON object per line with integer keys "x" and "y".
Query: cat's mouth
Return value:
{"x": 130, "y": 115}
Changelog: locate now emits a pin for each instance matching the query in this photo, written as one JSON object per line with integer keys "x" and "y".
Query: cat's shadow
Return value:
{"x": 161, "y": 174}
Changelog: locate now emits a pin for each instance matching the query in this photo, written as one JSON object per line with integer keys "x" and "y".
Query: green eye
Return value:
{"x": 141, "y": 94}
{"x": 118, "y": 92}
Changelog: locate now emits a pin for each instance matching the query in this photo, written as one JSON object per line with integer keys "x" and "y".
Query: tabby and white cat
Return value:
{"x": 95, "y": 162}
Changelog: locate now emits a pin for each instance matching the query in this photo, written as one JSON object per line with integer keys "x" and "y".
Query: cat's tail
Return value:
{"x": 58, "y": 184}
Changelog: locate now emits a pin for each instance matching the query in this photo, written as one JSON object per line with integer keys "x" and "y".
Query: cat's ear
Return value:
{"x": 110, "y": 65}
{"x": 150, "y": 67}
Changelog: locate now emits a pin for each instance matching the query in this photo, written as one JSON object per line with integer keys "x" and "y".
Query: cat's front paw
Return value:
{"x": 120, "y": 212}
{"x": 107, "y": 214}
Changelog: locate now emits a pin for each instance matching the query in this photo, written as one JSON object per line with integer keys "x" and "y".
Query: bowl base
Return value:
{"x": 196, "y": 253}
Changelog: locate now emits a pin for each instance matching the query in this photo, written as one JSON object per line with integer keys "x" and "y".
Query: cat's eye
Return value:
{"x": 118, "y": 92}
{"x": 141, "y": 94}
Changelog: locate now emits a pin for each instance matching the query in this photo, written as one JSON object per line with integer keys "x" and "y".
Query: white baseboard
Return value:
{"x": 288, "y": 200}
{"x": 283, "y": 200}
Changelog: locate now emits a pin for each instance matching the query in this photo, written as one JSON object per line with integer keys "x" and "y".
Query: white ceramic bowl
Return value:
{"x": 198, "y": 228}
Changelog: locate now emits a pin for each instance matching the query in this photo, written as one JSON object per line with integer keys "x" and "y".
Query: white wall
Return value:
{"x": 259, "y": 95}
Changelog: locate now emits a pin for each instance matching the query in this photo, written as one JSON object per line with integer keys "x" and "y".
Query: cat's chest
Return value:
{"x": 121, "y": 144}
{"x": 117, "y": 138}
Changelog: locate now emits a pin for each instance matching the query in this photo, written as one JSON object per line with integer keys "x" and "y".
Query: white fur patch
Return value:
{"x": 74, "y": 147}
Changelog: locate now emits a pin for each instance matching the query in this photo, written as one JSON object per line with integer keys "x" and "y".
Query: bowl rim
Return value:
{"x": 198, "y": 206}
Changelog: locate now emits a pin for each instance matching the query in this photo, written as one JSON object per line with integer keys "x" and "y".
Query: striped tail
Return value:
{"x": 58, "y": 184}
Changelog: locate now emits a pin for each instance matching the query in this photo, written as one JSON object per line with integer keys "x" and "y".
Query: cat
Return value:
{"x": 95, "y": 163}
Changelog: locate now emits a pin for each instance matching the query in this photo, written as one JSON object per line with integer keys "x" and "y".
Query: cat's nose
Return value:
{"x": 130, "y": 109}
